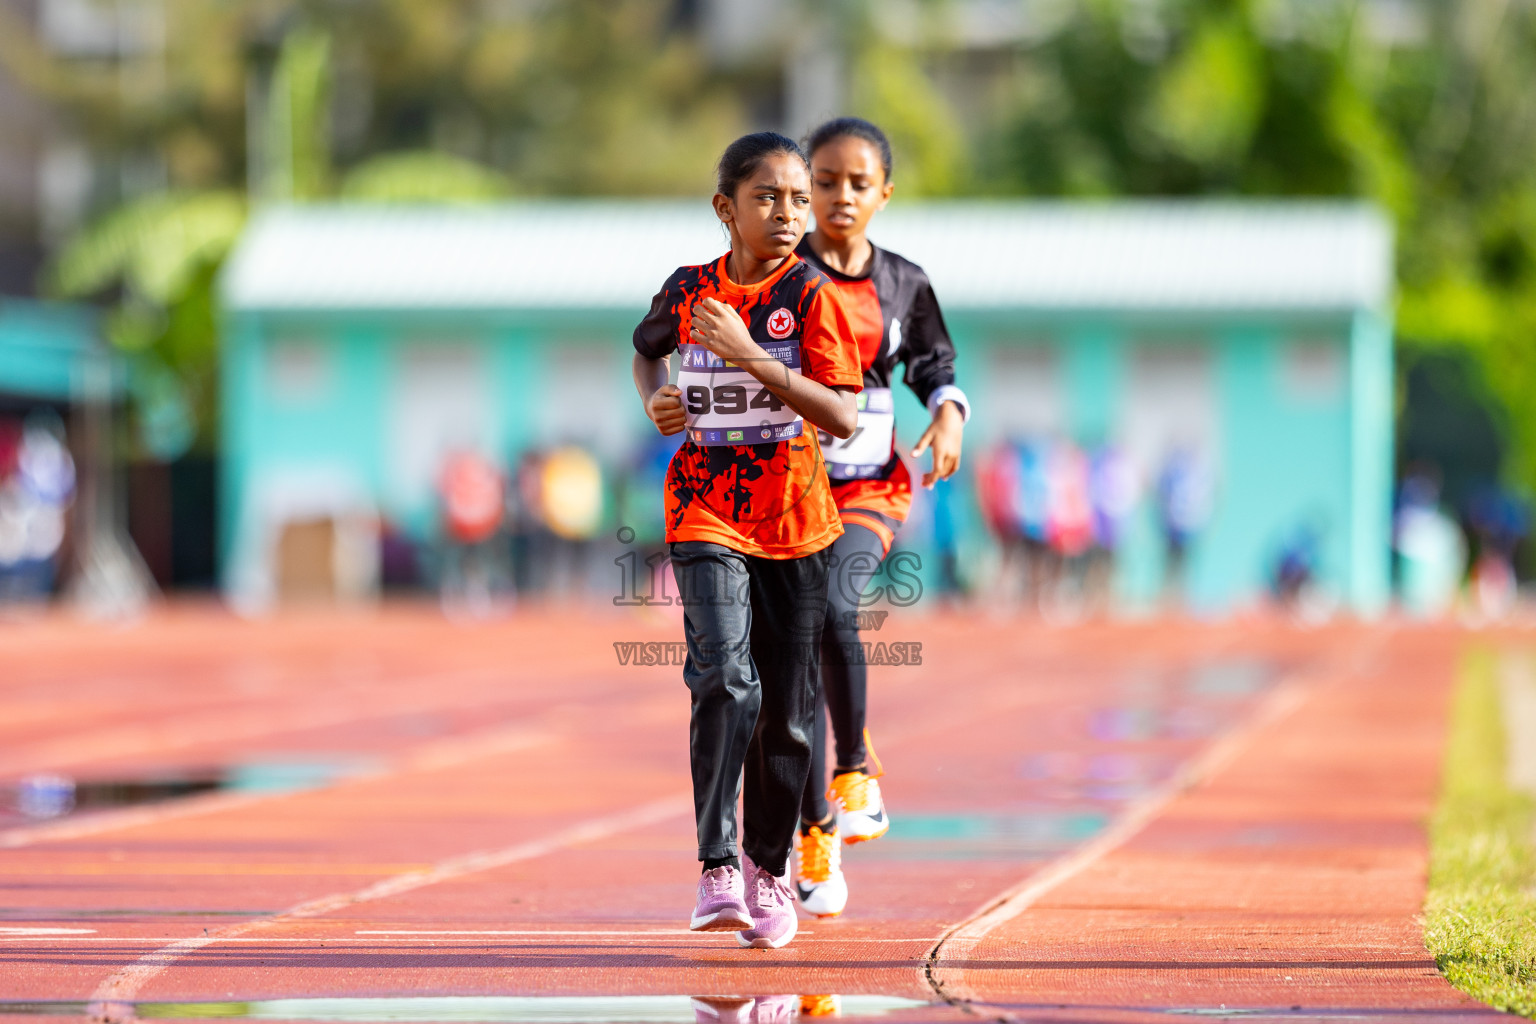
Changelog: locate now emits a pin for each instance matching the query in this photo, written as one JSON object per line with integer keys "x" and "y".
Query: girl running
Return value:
{"x": 765, "y": 344}
{"x": 896, "y": 320}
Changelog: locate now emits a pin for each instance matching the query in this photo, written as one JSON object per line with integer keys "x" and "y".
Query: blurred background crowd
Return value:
{"x": 208, "y": 379}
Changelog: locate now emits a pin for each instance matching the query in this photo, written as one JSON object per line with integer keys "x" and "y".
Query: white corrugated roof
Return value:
{"x": 980, "y": 254}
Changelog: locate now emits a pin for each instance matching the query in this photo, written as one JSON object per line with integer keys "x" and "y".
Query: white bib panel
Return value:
{"x": 727, "y": 405}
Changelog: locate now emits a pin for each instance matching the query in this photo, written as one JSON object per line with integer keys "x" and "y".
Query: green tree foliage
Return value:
{"x": 890, "y": 88}
{"x": 1422, "y": 107}
{"x": 1430, "y": 117}
{"x": 298, "y": 123}
{"x": 1191, "y": 98}
{"x": 387, "y": 101}
{"x": 422, "y": 176}
{"x": 161, "y": 253}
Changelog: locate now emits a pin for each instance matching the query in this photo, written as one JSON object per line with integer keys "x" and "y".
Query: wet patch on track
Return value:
{"x": 670, "y": 1009}
{"x": 1026, "y": 836}
{"x": 48, "y": 797}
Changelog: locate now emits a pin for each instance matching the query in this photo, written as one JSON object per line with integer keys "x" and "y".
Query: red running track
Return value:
{"x": 1174, "y": 818}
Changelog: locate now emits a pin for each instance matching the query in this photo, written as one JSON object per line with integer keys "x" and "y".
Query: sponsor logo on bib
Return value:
{"x": 781, "y": 323}
{"x": 734, "y": 435}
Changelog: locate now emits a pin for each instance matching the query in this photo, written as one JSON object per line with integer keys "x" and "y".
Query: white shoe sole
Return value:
{"x": 721, "y": 921}
{"x": 764, "y": 942}
{"x": 858, "y": 828}
{"x": 823, "y": 911}
{"x": 820, "y": 904}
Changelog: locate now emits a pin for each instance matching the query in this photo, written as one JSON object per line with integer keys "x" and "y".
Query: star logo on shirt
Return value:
{"x": 781, "y": 323}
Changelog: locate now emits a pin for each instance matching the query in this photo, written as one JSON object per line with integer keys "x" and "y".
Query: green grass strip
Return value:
{"x": 1480, "y": 911}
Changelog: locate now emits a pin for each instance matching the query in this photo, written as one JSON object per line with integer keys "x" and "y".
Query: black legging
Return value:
{"x": 753, "y": 627}
{"x": 856, "y": 557}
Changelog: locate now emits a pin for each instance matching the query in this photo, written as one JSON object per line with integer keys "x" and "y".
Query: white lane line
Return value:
{"x": 47, "y": 931}
{"x": 431, "y": 756}
{"x": 110, "y": 821}
{"x": 227, "y": 721}
{"x": 321, "y": 940}
{"x": 522, "y": 931}
{"x": 334, "y": 940}
{"x": 113, "y": 999}
{"x": 434, "y": 755}
{"x": 959, "y": 942}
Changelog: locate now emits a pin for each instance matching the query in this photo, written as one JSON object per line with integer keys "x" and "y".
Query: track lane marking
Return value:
{"x": 154, "y": 963}
{"x": 112, "y": 1002}
{"x": 959, "y": 941}
{"x": 521, "y": 931}
{"x": 434, "y": 755}
{"x": 233, "y": 718}
{"x": 40, "y": 943}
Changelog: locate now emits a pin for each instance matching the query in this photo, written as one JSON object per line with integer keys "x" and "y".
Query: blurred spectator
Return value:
{"x": 1432, "y": 553}
{"x": 37, "y": 486}
{"x": 1294, "y": 576}
{"x": 475, "y": 571}
{"x": 1069, "y": 526}
{"x": 1070, "y": 515}
{"x": 531, "y": 541}
{"x": 1034, "y": 511}
{"x": 559, "y": 510}
{"x": 399, "y": 562}
{"x": 946, "y": 540}
{"x": 642, "y": 526}
{"x": 1500, "y": 521}
{"x": 999, "y": 490}
{"x": 1112, "y": 495}
{"x": 573, "y": 494}
{"x": 639, "y": 494}
{"x": 1184, "y": 501}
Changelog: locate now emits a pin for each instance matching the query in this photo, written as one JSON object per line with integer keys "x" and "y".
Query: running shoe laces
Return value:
{"x": 857, "y": 790}
{"x": 769, "y": 890}
{"x": 817, "y": 850}
{"x": 718, "y": 880}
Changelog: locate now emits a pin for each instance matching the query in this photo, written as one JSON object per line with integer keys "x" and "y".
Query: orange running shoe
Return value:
{"x": 860, "y": 808}
{"x": 819, "y": 880}
{"x": 820, "y": 1006}
{"x": 855, "y": 796}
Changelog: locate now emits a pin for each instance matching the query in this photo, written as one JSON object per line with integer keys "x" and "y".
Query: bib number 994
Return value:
{"x": 727, "y": 399}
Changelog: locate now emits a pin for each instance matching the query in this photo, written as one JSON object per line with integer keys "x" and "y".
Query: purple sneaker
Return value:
{"x": 775, "y": 1009}
{"x": 772, "y": 904}
{"x": 722, "y": 1009}
{"x": 720, "y": 907}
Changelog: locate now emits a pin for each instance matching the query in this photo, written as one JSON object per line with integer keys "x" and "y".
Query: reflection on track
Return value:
{"x": 1044, "y": 743}
{"x": 1034, "y": 834}
{"x": 49, "y": 796}
{"x": 1081, "y": 764}
{"x": 681, "y": 1009}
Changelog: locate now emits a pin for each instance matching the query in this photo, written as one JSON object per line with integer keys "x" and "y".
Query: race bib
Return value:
{"x": 863, "y": 453}
{"x": 727, "y": 405}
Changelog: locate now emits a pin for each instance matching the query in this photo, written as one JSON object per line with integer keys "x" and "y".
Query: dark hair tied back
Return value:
{"x": 852, "y": 127}
{"x": 743, "y": 156}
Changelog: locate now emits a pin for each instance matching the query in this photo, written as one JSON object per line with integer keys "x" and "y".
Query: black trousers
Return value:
{"x": 754, "y": 641}
{"x": 844, "y": 694}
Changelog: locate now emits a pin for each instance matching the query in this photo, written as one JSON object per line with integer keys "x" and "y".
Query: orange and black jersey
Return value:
{"x": 772, "y": 500}
{"x": 897, "y": 321}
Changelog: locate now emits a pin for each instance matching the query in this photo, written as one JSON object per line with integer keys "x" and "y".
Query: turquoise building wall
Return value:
{"x": 1293, "y": 450}
{"x": 340, "y": 420}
